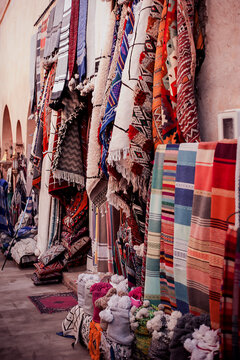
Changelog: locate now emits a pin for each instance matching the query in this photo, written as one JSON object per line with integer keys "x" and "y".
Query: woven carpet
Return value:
{"x": 51, "y": 303}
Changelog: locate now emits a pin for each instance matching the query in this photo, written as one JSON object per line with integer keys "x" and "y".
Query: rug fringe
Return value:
{"x": 69, "y": 177}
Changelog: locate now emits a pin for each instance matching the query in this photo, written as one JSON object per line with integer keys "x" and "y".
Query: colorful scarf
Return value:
{"x": 119, "y": 144}
{"x": 62, "y": 65}
{"x": 90, "y": 40}
{"x": 186, "y": 115}
{"x": 110, "y": 112}
{"x": 140, "y": 130}
{"x": 199, "y": 241}
{"x": 42, "y": 46}
{"x": 81, "y": 41}
{"x": 73, "y": 35}
{"x": 182, "y": 220}
{"x": 94, "y": 151}
{"x": 167, "y": 286}
{"x": 152, "y": 277}
{"x": 226, "y": 302}
{"x": 223, "y": 205}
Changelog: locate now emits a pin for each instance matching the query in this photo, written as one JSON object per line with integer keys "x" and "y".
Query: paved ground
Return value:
{"x": 25, "y": 333}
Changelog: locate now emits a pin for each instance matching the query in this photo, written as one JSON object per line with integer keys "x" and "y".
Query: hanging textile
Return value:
{"x": 236, "y": 302}
{"x": 90, "y": 40}
{"x": 119, "y": 144}
{"x": 140, "y": 130}
{"x": 184, "y": 187}
{"x": 42, "y": 45}
{"x": 5, "y": 225}
{"x": 199, "y": 241}
{"x": 73, "y": 35}
{"x": 152, "y": 283}
{"x": 222, "y": 205}
{"x": 81, "y": 41}
{"x": 226, "y": 307}
{"x": 167, "y": 286}
{"x": 47, "y": 52}
{"x": 102, "y": 243}
{"x": 67, "y": 164}
{"x": 94, "y": 151}
{"x": 32, "y": 78}
{"x": 186, "y": 102}
{"x": 62, "y": 65}
{"x": 38, "y": 84}
{"x": 109, "y": 116}
{"x": 45, "y": 198}
{"x": 54, "y": 36}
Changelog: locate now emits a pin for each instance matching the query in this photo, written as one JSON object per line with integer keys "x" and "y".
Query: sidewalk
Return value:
{"x": 25, "y": 333}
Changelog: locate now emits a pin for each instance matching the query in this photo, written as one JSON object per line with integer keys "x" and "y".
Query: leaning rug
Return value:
{"x": 51, "y": 303}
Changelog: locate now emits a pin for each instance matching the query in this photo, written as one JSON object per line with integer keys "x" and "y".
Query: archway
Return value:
{"x": 7, "y": 139}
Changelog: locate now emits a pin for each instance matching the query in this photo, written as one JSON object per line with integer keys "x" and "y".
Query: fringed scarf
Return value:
{"x": 62, "y": 65}
{"x": 73, "y": 35}
{"x": 184, "y": 187}
{"x": 222, "y": 206}
{"x": 199, "y": 241}
{"x": 140, "y": 130}
{"x": 109, "y": 116}
{"x": 81, "y": 40}
{"x": 94, "y": 151}
{"x": 152, "y": 277}
{"x": 119, "y": 144}
{"x": 68, "y": 164}
{"x": 186, "y": 115}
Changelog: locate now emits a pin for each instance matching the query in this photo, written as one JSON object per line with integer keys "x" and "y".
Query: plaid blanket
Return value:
{"x": 152, "y": 277}
{"x": 182, "y": 221}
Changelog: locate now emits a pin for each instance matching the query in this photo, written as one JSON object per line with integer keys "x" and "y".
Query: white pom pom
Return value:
{"x": 106, "y": 315}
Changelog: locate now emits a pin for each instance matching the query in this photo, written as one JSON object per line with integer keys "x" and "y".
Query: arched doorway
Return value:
{"x": 7, "y": 139}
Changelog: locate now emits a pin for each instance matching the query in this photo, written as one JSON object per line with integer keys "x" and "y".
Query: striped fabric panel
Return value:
{"x": 182, "y": 220}
{"x": 81, "y": 40}
{"x": 167, "y": 287}
{"x": 38, "y": 84}
{"x": 226, "y": 303}
{"x": 198, "y": 248}
{"x": 42, "y": 46}
{"x": 152, "y": 276}
{"x": 236, "y": 302}
{"x": 237, "y": 185}
{"x": 62, "y": 65}
{"x": 223, "y": 205}
{"x": 73, "y": 35}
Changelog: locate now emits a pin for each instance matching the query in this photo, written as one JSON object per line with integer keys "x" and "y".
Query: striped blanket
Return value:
{"x": 182, "y": 220}
{"x": 73, "y": 35}
{"x": 38, "y": 83}
{"x": 226, "y": 307}
{"x": 199, "y": 241}
{"x": 152, "y": 277}
{"x": 62, "y": 65}
{"x": 223, "y": 205}
{"x": 167, "y": 287}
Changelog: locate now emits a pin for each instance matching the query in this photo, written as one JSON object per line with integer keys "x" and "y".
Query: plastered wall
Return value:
{"x": 219, "y": 81}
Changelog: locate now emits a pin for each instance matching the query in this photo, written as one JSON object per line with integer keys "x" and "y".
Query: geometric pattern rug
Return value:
{"x": 51, "y": 303}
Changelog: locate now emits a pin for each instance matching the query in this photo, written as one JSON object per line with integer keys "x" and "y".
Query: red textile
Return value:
{"x": 73, "y": 33}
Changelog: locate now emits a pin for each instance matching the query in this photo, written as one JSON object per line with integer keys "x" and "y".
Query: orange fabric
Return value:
{"x": 94, "y": 340}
